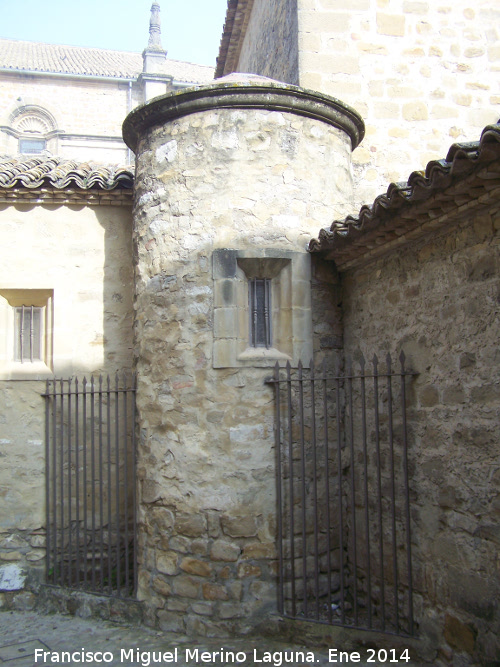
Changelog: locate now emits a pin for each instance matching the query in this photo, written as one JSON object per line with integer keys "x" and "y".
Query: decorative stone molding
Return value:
{"x": 32, "y": 118}
{"x": 252, "y": 93}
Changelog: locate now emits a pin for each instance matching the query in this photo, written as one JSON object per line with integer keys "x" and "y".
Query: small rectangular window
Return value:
{"x": 260, "y": 309}
{"x": 31, "y": 146}
{"x": 28, "y": 322}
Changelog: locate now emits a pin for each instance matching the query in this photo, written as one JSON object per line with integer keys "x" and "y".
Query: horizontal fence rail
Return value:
{"x": 90, "y": 484}
{"x": 344, "y": 534}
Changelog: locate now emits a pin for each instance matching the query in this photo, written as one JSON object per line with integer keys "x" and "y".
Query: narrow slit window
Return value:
{"x": 28, "y": 334}
{"x": 260, "y": 312}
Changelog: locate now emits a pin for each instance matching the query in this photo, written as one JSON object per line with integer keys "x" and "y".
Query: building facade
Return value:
{"x": 71, "y": 101}
{"x": 245, "y": 247}
{"x": 421, "y": 74}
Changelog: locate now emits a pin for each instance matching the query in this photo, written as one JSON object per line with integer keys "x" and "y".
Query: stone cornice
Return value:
{"x": 51, "y": 196}
{"x": 247, "y": 94}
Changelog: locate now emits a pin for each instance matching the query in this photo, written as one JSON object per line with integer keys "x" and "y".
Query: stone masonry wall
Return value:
{"x": 84, "y": 255}
{"x": 82, "y": 108}
{"x": 438, "y": 300}
{"x": 421, "y": 74}
{"x": 237, "y": 179}
{"x": 270, "y": 46}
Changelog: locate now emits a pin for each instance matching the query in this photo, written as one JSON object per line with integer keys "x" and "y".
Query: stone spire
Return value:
{"x": 154, "y": 80}
{"x": 154, "y": 43}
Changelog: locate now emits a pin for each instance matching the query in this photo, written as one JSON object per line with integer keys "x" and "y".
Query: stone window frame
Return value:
{"x": 291, "y": 313}
{"x": 10, "y": 300}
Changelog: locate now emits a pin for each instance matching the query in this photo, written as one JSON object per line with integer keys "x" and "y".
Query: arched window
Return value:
{"x": 34, "y": 127}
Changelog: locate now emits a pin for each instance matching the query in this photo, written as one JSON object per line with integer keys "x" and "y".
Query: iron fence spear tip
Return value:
{"x": 362, "y": 363}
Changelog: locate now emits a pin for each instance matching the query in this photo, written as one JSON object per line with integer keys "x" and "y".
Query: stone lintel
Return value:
{"x": 265, "y": 94}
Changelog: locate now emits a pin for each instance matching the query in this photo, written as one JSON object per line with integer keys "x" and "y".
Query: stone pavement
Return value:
{"x": 28, "y": 639}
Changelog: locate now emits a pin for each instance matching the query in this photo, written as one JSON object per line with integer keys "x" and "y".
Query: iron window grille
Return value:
{"x": 260, "y": 309}
{"x": 28, "y": 334}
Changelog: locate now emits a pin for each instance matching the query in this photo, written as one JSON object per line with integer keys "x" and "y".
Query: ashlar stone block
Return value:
{"x": 391, "y": 24}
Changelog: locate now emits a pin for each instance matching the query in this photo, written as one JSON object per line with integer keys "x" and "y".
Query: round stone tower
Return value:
{"x": 232, "y": 181}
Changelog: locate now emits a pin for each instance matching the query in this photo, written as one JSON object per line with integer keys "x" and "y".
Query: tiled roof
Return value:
{"x": 469, "y": 175}
{"x": 39, "y": 171}
{"x": 78, "y": 60}
{"x": 41, "y": 179}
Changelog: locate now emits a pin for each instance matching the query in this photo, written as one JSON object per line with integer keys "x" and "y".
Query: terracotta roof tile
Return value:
{"x": 470, "y": 172}
{"x": 40, "y": 171}
{"x": 61, "y": 59}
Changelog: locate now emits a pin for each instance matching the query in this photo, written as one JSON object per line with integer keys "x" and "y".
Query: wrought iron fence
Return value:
{"x": 90, "y": 484}
{"x": 344, "y": 533}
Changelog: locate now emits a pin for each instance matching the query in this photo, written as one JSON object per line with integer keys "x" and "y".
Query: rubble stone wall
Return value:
{"x": 438, "y": 300}
{"x": 241, "y": 180}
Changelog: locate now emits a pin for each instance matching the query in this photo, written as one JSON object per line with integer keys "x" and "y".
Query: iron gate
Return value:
{"x": 344, "y": 536}
{"x": 90, "y": 484}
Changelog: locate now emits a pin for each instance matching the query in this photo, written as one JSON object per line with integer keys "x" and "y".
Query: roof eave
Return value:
{"x": 467, "y": 180}
{"x": 68, "y": 75}
{"x": 233, "y": 35}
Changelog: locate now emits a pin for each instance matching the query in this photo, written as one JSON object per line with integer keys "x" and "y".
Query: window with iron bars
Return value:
{"x": 260, "y": 312}
{"x": 28, "y": 323}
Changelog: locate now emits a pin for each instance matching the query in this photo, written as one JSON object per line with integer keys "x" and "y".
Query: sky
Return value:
{"x": 191, "y": 29}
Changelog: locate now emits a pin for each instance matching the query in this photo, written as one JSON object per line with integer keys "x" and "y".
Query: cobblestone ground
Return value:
{"x": 28, "y": 639}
